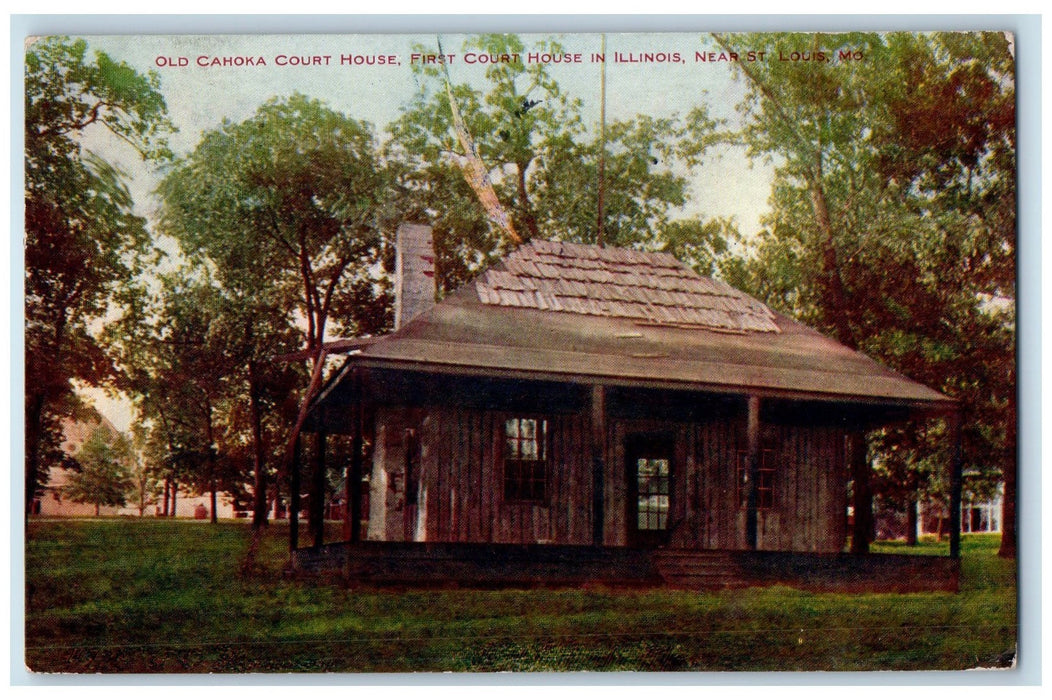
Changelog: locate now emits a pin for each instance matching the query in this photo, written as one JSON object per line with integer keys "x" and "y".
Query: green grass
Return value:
{"x": 131, "y": 596}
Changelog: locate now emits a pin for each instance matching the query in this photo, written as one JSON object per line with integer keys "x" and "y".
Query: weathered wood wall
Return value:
{"x": 461, "y": 487}
{"x": 810, "y": 489}
{"x": 460, "y": 471}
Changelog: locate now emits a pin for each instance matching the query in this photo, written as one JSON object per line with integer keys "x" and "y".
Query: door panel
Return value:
{"x": 649, "y": 469}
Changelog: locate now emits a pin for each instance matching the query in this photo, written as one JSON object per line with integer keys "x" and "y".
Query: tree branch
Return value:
{"x": 59, "y": 130}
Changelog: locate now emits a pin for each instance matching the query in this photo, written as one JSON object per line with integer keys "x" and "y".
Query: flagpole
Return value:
{"x": 602, "y": 141}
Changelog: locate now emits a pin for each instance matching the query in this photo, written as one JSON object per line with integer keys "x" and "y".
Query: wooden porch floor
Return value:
{"x": 499, "y": 565}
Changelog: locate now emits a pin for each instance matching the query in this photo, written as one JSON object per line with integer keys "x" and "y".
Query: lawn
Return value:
{"x": 142, "y": 596}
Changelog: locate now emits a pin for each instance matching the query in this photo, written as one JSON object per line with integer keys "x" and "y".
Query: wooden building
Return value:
{"x": 580, "y": 413}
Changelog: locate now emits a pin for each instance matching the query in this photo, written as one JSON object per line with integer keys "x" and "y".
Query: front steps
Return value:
{"x": 697, "y": 569}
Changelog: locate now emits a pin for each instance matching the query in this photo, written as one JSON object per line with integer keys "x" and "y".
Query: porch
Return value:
{"x": 437, "y": 564}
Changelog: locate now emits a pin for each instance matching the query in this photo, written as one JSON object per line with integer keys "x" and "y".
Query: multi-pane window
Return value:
{"x": 652, "y": 491}
{"x": 525, "y": 459}
{"x": 764, "y": 483}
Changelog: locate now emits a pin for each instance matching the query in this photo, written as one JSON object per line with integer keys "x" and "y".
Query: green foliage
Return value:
{"x": 66, "y": 92}
{"x": 296, "y": 190}
{"x": 82, "y": 239}
{"x": 189, "y": 355}
{"x": 892, "y": 224}
{"x": 154, "y": 596}
{"x": 105, "y": 474}
{"x": 543, "y": 160}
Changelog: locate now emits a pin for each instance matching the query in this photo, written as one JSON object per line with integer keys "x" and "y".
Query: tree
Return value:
{"x": 82, "y": 238}
{"x": 543, "y": 161}
{"x": 105, "y": 476}
{"x": 892, "y": 223}
{"x": 197, "y": 356}
{"x": 191, "y": 372}
{"x": 146, "y": 486}
{"x": 296, "y": 191}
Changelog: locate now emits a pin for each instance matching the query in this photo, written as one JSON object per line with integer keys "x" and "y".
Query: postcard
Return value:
{"x": 520, "y": 352}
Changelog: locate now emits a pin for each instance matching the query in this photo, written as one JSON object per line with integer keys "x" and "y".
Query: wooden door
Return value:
{"x": 649, "y": 469}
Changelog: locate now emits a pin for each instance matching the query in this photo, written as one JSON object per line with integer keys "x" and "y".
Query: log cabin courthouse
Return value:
{"x": 582, "y": 414}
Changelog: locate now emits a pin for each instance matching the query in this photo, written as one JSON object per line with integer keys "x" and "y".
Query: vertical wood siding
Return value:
{"x": 810, "y": 483}
{"x": 463, "y": 473}
{"x": 461, "y": 482}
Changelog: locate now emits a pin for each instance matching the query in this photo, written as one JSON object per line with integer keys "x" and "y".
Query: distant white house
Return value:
{"x": 976, "y": 516}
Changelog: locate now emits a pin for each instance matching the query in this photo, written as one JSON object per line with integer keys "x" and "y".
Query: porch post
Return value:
{"x": 863, "y": 495}
{"x": 294, "y": 499}
{"x": 352, "y": 526}
{"x": 911, "y": 521}
{"x": 956, "y": 465}
{"x": 752, "y": 462}
{"x": 317, "y": 489}
{"x": 348, "y": 474}
{"x": 598, "y": 416}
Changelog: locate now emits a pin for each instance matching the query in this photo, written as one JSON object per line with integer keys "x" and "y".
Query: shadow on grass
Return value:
{"x": 149, "y": 596}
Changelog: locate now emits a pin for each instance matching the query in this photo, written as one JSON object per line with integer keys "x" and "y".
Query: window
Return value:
{"x": 765, "y": 483}
{"x": 652, "y": 492}
{"x": 525, "y": 459}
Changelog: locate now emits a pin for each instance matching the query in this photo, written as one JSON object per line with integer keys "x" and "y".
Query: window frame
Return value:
{"x": 657, "y": 513}
{"x": 767, "y": 468}
{"x": 526, "y": 473}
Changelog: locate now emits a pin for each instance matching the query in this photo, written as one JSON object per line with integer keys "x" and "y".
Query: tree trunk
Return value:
{"x": 354, "y": 481}
{"x": 167, "y": 494}
{"x": 911, "y": 522}
{"x": 212, "y": 485}
{"x": 1008, "y": 517}
{"x": 34, "y": 434}
{"x": 1008, "y": 524}
{"x": 835, "y": 310}
{"x": 259, "y": 510}
{"x": 955, "y": 469}
{"x": 354, "y": 469}
{"x": 175, "y": 490}
{"x": 524, "y": 202}
{"x": 316, "y": 514}
{"x": 292, "y": 446}
{"x": 96, "y": 510}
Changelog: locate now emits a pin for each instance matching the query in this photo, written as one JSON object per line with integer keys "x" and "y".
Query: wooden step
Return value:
{"x": 696, "y": 569}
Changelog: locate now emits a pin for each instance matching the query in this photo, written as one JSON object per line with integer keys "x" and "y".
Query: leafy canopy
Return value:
{"x": 294, "y": 191}
{"x": 105, "y": 477}
{"x": 543, "y": 160}
{"x": 892, "y": 223}
{"x": 83, "y": 240}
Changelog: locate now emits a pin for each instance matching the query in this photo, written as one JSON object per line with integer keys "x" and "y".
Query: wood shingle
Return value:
{"x": 619, "y": 283}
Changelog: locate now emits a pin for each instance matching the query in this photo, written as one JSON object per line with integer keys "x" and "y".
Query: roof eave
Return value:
{"x": 934, "y": 406}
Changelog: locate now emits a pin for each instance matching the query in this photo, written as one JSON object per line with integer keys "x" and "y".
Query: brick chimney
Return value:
{"x": 414, "y": 272}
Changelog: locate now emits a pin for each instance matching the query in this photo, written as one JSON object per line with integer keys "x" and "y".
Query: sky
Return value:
{"x": 200, "y": 97}
{"x": 208, "y": 78}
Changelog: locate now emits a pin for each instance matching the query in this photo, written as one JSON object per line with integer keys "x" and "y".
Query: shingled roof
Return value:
{"x": 588, "y": 314}
{"x": 619, "y": 283}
